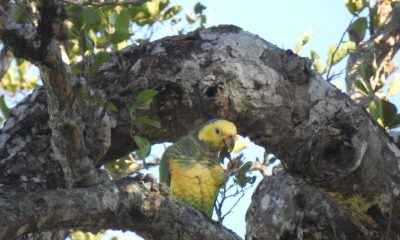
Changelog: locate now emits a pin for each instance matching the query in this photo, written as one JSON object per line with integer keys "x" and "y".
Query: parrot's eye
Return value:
{"x": 217, "y": 131}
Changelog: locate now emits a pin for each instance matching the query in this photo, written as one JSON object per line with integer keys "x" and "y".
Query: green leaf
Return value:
{"x": 88, "y": 43}
{"x": 357, "y": 30}
{"x": 318, "y": 66}
{"x": 112, "y": 107}
{"x": 302, "y": 41}
{"x": 144, "y": 98}
{"x": 368, "y": 66}
{"x": 148, "y": 121}
{"x": 190, "y": 18}
{"x": 355, "y": 6}
{"x": 335, "y": 55}
{"x": 317, "y": 62}
{"x": 122, "y": 22}
{"x": 384, "y": 112}
{"x": 314, "y": 55}
{"x": 16, "y": 12}
{"x": 92, "y": 19}
{"x": 144, "y": 146}
{"x": 245, "y": 167}
{"x": 3, "y": 107}
{"x": 394, "y": 86}
{"x": 79, "y": 235}
{"x": 153, "y": 8}
{"x": 241, "y": 180}
{"x": 389, "y": 113}
{"x": 76, "y": 14}
{"x": 97, "y": 59}
{"x": 199, "y": 8}
{"x": 361, "y": 86}
{"x": 120, "y": 36}
{"x": 171, "y": 12}
{"x": 85, "y": 96}
{"x": 376, "y": 12}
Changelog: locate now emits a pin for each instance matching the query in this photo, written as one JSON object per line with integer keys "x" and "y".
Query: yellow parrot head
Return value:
{"x": 218, "y": 134}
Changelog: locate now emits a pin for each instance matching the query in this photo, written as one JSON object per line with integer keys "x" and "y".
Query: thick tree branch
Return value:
{"x": 62, "y": 88}
{"x": 384, "y": 44}
{"x": 129, "y": 204}
{"x": 287, "y": 208}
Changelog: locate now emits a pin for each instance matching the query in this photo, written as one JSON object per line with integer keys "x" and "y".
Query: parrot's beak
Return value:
{"x": 229, "y": 142}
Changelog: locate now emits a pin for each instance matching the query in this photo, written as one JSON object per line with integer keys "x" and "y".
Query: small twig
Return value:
{"x": 337, "y": 48}
{"x": 234, "y": 205}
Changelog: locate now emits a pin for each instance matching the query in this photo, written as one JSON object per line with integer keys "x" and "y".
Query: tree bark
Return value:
{"x": 297, "y": 210}
{"x": 272, "y": 95}
{"x": 142, "y": 207}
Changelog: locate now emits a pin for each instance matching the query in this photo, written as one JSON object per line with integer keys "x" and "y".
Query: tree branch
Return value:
{"x": 63, "y": 89}
{"x": 104, "y": 3}
{"x": 287, "y": 208}
{"x": 129, "y": 204}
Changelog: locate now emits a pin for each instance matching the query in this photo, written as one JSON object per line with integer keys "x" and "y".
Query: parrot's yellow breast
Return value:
{"x": 196, "y": 184}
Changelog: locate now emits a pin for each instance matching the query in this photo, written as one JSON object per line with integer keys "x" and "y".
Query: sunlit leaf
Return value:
{"x": 394, "y": 86}
{"x": 171, "y": 12}
{"x": 79, "y": 235}
{"x": 314, "y": 55}
{"x": 317, "y": 62}
{"x": 190, "y": 17}
{"x": 302, "y": 41}
{"x": 335, "y": 54}
{"x": 153, "y": 8}
{"x": 355, "y": 6}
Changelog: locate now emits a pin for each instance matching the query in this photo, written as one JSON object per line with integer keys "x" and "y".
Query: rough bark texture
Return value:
{"x": 297, "y": 210}
{"x": 272, "y": 95}
{"x": 127, "y": 204}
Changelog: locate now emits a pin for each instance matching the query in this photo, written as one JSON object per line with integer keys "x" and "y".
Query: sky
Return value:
{"x": 279, "y": 22}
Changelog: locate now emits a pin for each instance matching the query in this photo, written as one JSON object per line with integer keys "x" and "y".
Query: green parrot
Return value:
{"x": 191, "y": 167}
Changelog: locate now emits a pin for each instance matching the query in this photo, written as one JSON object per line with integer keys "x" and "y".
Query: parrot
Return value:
{"x": 191, "y": 166}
